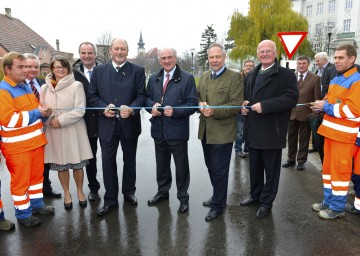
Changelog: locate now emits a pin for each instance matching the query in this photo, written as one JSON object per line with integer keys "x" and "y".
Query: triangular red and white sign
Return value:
{"x": 291, "y": 41}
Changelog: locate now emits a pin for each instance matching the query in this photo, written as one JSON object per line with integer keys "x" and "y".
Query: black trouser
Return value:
{"x": 270, "y": 161}
{"x": 108, "y": 152}
{"x": 217, "y": 160}
{"x": 46, "y": 183}
{"x": 163, "y": 152}
{"x": 91, "y": 169}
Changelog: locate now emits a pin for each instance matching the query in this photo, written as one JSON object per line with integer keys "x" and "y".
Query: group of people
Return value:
{"x": 60, "y": 120}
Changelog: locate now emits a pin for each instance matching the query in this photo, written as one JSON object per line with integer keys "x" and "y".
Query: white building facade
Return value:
{"x": 331, "y": 22}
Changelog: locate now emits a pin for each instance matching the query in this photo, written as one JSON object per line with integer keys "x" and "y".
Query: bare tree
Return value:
{"x": 323, "y": 34}
{"x": 103, "y": 44}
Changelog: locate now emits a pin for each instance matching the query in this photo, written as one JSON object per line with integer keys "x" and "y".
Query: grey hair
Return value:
{"x": 321, "y": 55}
{"x": 88, "y": 43}
{"x": 217, "y": 45}
{"x": 32, "y": 56}
{"x": 172, "y": 49}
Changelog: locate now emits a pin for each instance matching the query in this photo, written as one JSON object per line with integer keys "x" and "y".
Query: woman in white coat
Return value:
{"x": 68, "y": 144}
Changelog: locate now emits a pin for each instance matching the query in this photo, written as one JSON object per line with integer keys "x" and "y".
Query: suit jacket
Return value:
{"x": 125, "y": 87}
{"x": 309, "y": 91}
{"x": 278, "y": 94}
{"x": 325, "y": 79}
{"x": 91, "y": 116}
{"x": 225, "y": 90}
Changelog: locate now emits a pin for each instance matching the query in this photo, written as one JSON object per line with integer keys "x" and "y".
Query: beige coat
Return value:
{"x": 68, "y": 144}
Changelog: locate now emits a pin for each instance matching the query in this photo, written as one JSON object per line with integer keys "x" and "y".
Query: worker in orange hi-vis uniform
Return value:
{"x": 340, "y": 127}
{"x": 22, "y": 140}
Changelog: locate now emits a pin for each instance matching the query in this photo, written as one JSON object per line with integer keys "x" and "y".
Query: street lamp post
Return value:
{"x": 328, "y": 46}
{"x": 192, "y": 50}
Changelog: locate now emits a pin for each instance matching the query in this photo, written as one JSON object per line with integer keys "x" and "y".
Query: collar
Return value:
{"x": 219, "y": 71}
{"x": 9, "y": 81}
{"x": 171, "y": 73}
{"x": 264, "y": 69}
{"x": 114, "y": 65}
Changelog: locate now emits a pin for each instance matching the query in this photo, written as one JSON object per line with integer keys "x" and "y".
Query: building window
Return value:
{"x": 318, "y": 29}
{"x": 309, "y": 30}
{"x": 330, "y": 25}
{"x": 347, "y": 24}
{"x": 316, "y": 47}
{"x": 348, "y": 4}
{"x": 309, "y": 11}
{"x": 320, "y": 8}
{"x": 332, "y": 6}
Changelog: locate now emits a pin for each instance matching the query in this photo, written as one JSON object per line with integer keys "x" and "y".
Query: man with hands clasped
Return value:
{"x": 118, "y": 86}
{"x": 171, "y": 87}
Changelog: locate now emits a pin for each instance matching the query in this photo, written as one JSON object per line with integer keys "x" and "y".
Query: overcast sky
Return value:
{"x": 177, "y": 24}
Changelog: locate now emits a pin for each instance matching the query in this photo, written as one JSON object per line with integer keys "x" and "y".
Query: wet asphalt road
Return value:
{"x": 291, "y": 229}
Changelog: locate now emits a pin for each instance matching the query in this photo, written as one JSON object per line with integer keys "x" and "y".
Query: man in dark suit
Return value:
{"x": 82, "y": 70}
{"x": 117, "y": 86}
{"x": 323, "y": 65}
{"x": 299, "y": 129}
{"x": 217, "y": 129}
{"x": 271, "y": 92}
{"x": 33, "y": 65}
{"x": 171, "y": 87}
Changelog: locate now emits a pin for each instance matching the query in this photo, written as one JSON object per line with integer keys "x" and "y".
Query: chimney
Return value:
{"x": 8, "y": 12}
{"x": 57, "y": 45}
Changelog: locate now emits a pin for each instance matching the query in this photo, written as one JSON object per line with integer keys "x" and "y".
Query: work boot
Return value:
{"x": 46, "y": 209}
{"x": 30, "y": 221}
{"x": 319, "y": 207}
{"x": 329, "y": 214}
{"x": 6, "y": 225}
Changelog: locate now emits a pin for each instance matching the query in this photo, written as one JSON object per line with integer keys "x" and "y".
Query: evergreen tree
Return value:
{"x": 264, "y": 20}
{"x": 208, "y": 37}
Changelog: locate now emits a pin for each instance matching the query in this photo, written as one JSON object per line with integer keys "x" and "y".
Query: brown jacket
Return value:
{"x": 309, "y": 91}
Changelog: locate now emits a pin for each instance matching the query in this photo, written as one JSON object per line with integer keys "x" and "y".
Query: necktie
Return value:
{"x": 166, "y": 82}
{"x": 33, "y": 88}
{"x": 213, "y": 76}
{"x": 117, "y": 68}
{"x": 301, "y": 80}
{"x": 90, "y": 73}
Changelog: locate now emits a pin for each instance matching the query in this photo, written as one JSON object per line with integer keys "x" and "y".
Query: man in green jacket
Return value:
{"x": 220, "y": 90}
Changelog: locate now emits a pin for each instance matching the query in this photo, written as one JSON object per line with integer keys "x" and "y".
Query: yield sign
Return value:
{"x": 291, "y": 41}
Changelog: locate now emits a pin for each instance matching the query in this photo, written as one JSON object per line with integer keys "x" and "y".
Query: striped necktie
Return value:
{"x": 33, "y": 88}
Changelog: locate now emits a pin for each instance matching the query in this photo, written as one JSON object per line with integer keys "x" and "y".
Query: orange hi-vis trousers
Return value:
{"x": 337, "y": 170}
{"x": 26, "y": 171}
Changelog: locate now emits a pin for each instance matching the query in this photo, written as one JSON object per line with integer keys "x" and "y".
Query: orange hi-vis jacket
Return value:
{"x": 342, "y": 108}
{"x": 21, "y": 127}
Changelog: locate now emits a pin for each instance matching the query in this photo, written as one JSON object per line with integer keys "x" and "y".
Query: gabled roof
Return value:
{"x": 16, "y": 36}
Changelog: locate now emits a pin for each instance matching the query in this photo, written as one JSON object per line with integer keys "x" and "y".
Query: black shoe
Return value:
{"x": 208, "y": 202}
{"x": 93, "y": 196}
{"x": 262, "y": 212}
{"x": 103, "y": 211}
{"x": 68, "y": 206}
{"x": 313, "y": 150}
{"x": 288, "y": 164}
{"x": 83, "y": 204}
{"x": 184, "y": 207}
{"x": 52, "y": 193}
{"x": 131, "y": 199}
{"x": 248, "y": 202}
{"x": 212, "y": 214}
{"x": 30, "y": 222}
{"x": 300, "y": 167}
{"x": 157, "y": 198}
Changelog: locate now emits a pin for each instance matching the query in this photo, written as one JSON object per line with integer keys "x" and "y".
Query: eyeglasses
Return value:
{"x": 60, "y": 68}
{"x": 265, "y": 52}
